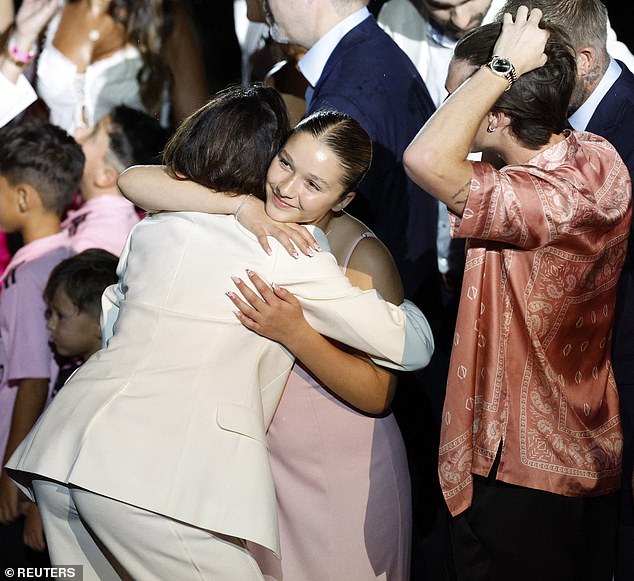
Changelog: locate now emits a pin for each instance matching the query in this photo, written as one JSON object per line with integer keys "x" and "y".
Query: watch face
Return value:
{"x": 501, "y": 65}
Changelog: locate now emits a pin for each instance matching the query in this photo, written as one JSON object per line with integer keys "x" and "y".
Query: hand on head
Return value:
{"x": 522, "y": 41}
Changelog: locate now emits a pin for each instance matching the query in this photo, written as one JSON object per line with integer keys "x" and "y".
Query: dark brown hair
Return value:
{"x": 537, "y": 103}
{"x": 136, "y": 138}
{"x": 45, "y": 157}
{"x": 84, "y": 277}
{"x": 228, "y": 144}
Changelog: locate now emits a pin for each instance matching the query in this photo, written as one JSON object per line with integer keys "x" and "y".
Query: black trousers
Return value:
{"x": 512, "y": 533}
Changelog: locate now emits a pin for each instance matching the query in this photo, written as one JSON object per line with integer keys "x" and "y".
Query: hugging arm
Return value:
{"x": 279, "y": 317}
{"x": 151, "y": 188}
{"x": 277, "y": 314}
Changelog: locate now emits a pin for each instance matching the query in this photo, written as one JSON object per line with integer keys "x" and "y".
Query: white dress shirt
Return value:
{"x": 581, "y": 117}
{"x": 313, "y": 62}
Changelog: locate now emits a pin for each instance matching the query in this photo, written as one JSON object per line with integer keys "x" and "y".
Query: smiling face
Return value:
{"x": 456, "y": 17}
{"x": 304, "y": 182}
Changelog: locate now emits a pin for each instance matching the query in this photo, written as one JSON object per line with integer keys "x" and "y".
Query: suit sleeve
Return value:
{"x": 15, "y": 98}
{"x": 395, "y": 337}
{"x": 112, "y": 297}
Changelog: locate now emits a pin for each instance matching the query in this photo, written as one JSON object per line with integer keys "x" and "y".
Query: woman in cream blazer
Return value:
{"x": 167, "y": 423}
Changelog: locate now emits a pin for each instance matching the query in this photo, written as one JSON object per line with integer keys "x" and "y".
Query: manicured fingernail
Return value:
{"x": 274, "y": 286}
{"x": 317, "y": 247}
{"x": 250, "y": 272}
{"x": 237, "y": 314}
{"x": 230, "y": 294}
{"x": 236, "y": 279}
{"x": 310, "y": 252}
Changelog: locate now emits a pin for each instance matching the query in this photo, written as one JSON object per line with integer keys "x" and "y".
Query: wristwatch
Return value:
{"x": 503, "y": 67}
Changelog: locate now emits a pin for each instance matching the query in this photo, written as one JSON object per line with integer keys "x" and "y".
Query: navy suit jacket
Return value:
{"x": 614, "y": 120}
{"x": 371, "y": 79}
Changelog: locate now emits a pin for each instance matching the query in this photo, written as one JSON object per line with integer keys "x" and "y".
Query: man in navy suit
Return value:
{"x": 603, "y": 103}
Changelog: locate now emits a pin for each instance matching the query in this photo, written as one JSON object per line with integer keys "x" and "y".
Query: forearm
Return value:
{"x": 28, "y": 24}
{"x": 354, "y": 379}
{"x": 450, "y": 131}
{"x": 29, "y": 404}
{"x": 437, "y": 157}
{"x": 8, "y": 67}
{"x": 151, "y": 188}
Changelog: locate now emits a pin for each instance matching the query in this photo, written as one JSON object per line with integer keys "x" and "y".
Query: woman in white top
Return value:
{"x": 98, "y": 54}
{"x": 151, "y": 462}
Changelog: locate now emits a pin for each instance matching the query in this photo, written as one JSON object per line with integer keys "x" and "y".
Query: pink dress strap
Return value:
{"x": 353, "y": 247}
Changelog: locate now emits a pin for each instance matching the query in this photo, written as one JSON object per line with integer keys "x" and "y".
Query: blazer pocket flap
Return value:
{"x": 240, "y": 419}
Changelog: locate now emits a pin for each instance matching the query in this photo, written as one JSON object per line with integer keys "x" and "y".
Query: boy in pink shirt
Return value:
{"x": 73, "y": 295}
{"x": 40, "y": 169}
{"x": 123, "y": 138}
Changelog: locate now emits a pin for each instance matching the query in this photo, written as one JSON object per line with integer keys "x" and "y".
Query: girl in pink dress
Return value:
{"x": 341, "y": 475}
{"x": 337, "y": 455}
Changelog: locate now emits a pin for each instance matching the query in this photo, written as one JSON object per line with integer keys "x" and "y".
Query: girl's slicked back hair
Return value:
{"x": 346, "y": 138}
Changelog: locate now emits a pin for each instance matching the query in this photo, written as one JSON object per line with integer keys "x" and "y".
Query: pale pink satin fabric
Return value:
{"x": 530, "y": 365}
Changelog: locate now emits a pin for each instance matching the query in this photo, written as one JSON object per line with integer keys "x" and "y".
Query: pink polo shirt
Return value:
{"x": 24, "y": 338}
{"x": 102, "y": 222}
{"x": 5, "y": 254}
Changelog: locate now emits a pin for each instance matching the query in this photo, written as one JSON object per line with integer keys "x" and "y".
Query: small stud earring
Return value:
{"x": 490, "y": 129}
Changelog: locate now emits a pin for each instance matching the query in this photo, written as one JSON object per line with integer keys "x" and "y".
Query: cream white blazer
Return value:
{"x": 171, "y": 415}
{"x": 16, "y": 97}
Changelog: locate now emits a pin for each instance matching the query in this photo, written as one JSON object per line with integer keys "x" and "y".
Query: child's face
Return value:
{"x": 75, "y": 333}
{"x": 9, "y": 207}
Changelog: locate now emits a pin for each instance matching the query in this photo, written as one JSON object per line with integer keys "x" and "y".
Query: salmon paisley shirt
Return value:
{"x": 530, "y": 366}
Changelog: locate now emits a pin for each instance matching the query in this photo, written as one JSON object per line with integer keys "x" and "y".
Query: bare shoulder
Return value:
{"x": 369, "y": 262}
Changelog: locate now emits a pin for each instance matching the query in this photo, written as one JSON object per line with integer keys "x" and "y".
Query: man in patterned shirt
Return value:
{"x": 531, "y": 440}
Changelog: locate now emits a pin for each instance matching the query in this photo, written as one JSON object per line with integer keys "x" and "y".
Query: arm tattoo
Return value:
{"x": 458, "y": 197}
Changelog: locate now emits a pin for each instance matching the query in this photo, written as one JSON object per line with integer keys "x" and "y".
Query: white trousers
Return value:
{"x": 114, "y": 540}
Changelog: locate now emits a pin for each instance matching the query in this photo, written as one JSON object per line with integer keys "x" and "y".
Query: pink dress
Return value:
{"x": 343, "y": 489}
